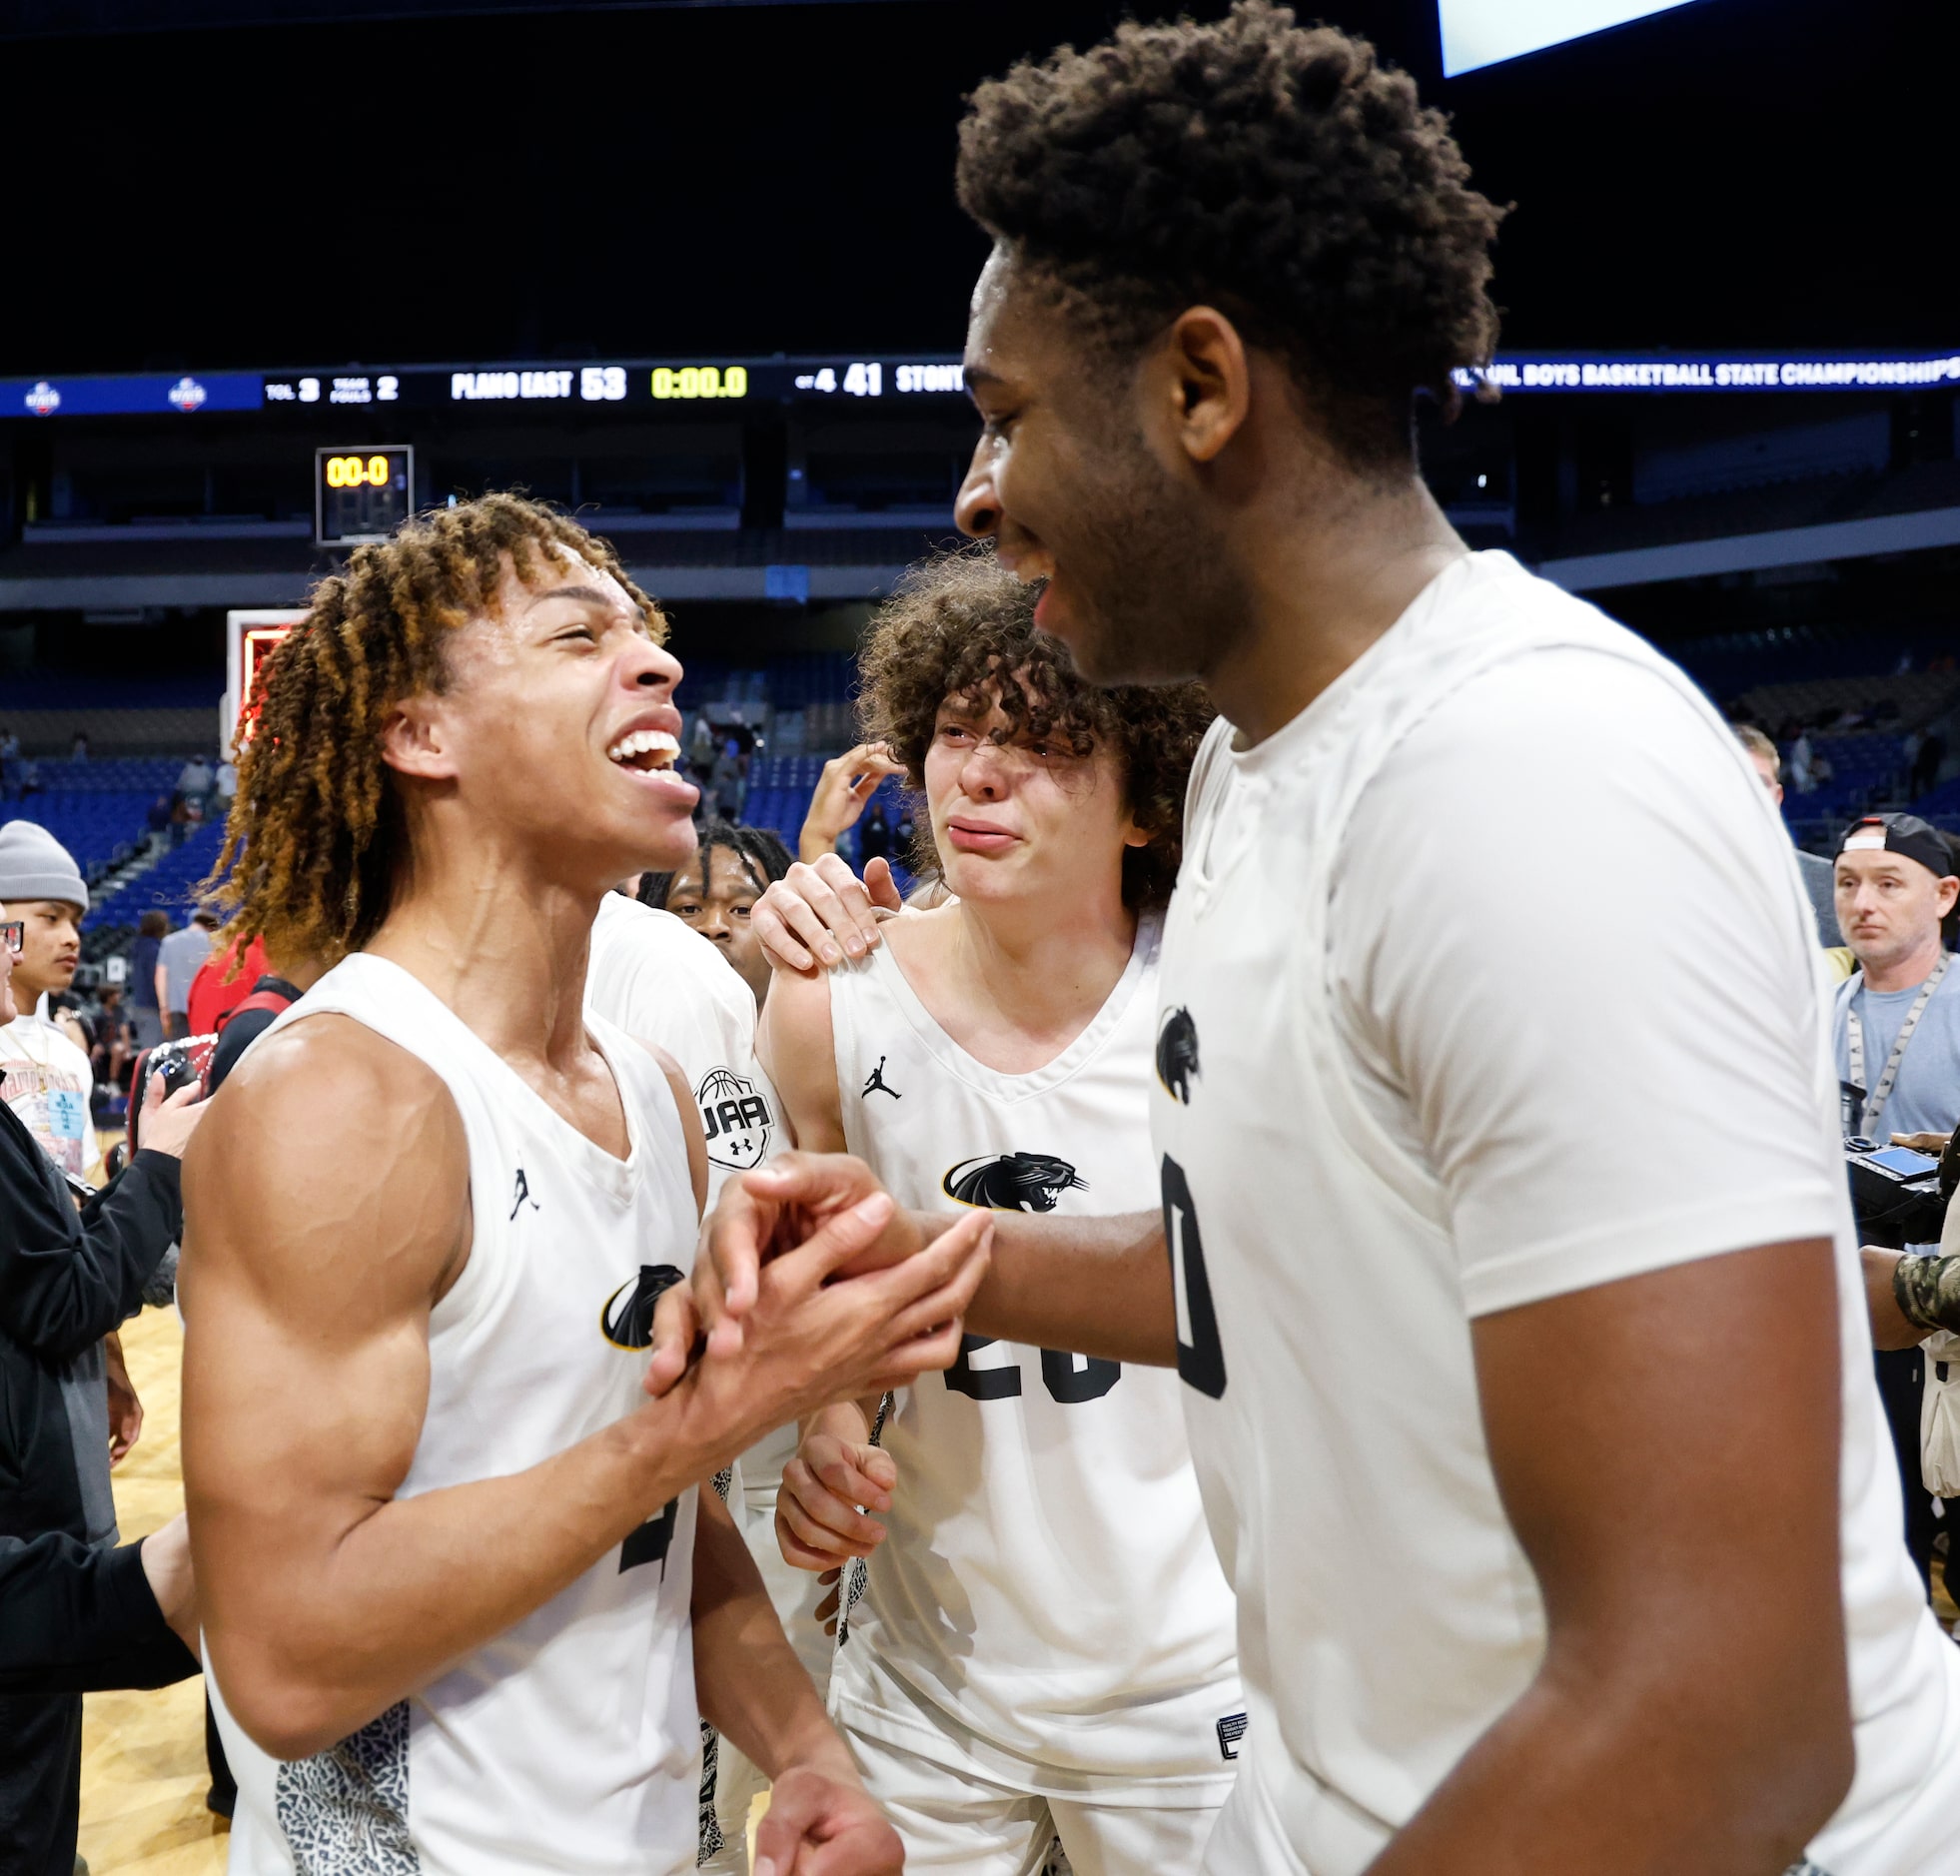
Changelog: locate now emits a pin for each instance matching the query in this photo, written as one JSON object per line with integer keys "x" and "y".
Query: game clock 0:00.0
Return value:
{"x": 700, "y": 381}
{"x": 361, "y": 494}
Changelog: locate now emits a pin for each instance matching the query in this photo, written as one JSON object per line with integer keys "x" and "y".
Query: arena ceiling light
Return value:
{"x": 1476, "y": 33}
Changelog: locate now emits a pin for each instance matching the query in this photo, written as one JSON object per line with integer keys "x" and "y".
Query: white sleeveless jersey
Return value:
{"x": 570, "y": 1742}
{"x": 1048, "y": 1586}
{"x": 662, "y": 982}
{"x": 1489, "y": 978}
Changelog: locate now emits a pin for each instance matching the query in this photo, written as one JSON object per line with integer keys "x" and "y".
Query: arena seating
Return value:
{"x": 170, "y": 886}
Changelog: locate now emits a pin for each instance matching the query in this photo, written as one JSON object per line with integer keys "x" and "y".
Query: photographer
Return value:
{"x": 74, "y": 1613}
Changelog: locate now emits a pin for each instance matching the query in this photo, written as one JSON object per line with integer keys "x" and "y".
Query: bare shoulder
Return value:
{"x": 326, "y": 1132}
{"x": 795, "y": 1021}
{"x": 798, "y": 1052}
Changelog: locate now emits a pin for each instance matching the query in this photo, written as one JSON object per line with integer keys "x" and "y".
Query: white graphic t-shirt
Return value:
{"x": 49, "y": 1084}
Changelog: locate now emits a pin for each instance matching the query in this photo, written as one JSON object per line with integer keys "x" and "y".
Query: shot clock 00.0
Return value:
{"x": 361, "y": 494}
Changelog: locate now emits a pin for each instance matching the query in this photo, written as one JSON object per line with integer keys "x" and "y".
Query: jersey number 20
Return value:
{"x": 1065, "y": 1381}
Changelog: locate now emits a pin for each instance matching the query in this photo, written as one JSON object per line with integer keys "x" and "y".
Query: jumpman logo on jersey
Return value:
{"x": 524, "y": 1196}
{"x": 875, "y": 1083}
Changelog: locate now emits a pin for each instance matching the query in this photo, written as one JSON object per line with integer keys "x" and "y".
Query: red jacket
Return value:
{"x": 217, "y": 989}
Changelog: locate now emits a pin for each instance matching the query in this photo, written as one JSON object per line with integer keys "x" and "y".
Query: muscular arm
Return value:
{"x": 1669, "y": 1465}
{"x": 752, "y": 1687}
{"x": 307, "y": 1295}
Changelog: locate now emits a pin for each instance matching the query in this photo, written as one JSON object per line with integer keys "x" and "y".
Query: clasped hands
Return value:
{"x": 807, "y": 1270}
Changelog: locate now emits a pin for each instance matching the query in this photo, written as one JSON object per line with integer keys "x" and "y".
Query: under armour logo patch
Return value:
{"x": 1231, "y": 1729}
{"x": 524, "y": 1196}
{"x": 875, "y": 1083}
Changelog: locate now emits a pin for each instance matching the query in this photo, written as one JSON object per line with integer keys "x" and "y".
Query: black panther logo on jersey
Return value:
{"x": 736, "y": 1118}
{"x": 1176, "y": 1054}
{"x": 1231, "y": 1729}
{"x": 1013, "y": 1182}
{"x": 628, "y": 1323}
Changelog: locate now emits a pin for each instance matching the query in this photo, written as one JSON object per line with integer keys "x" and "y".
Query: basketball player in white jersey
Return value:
{"x": 1516, "y": 1291}
{"x": 1044, "y": 1641}
{"x": 462, "y": 1601}
{"x": 669, "y": 986}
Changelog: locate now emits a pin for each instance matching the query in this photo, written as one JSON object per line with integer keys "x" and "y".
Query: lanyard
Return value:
{"x": 1855, "y": 1036}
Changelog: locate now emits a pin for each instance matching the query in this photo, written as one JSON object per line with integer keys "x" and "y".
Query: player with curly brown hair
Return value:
{"x": 464, "y": 1606}
{"x": 1554, "y": 1550}
{"x": 1044, "y": 1644}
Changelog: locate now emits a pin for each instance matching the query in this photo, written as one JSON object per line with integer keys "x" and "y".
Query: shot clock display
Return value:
{"x": 361, "y": 494}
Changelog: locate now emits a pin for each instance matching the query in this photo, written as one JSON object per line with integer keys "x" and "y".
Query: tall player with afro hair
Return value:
{"x": 1504, "y": 1247}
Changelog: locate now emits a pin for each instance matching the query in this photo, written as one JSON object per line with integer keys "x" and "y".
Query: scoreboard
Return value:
{"x": 361, "y": 494}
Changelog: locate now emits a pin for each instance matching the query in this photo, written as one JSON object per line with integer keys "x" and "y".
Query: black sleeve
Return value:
{"x": 77, "y": 1617}
{"x": 68, "y": 1280}
{"x": 232, "y": 1040}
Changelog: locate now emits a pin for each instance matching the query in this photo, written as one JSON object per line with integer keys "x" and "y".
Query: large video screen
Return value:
{"x": 1487, "y": 32}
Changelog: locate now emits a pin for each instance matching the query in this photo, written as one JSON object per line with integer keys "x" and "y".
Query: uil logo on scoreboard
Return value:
{"x": 736, "y": 1119}
{"x": 1012, "y": 1182}
{"x": 1176, "y": 1054}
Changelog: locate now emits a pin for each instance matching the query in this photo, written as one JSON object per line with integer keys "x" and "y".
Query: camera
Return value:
{"x": 1895, "y": 1192}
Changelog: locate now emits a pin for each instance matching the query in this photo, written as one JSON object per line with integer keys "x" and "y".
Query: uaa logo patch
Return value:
{"x": 736, "y": 1119}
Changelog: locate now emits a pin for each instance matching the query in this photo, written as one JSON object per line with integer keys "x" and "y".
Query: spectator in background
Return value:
{"x": 848, "y": 781}
{"x": 194, "y": 779}
{"x": 1927, "y": 761}
{"x": 715, "y": 891}
{"x": 874, "y": 836}
{"x": 79, "y": 750}
{"x": 49, "y": 1081}
{"x": 67, "y": 1279}
{"x": 223, "y": 785}
{"x": 9, "y": 763}
{"x": 1896, "y": 1036}
{"x": 112, "y": 1048}
{"x": 150, "y": 932}
{"x": 1819, "y": 878}
{"x": 1896, "y": 1027}
{"x": 1803, "y": 776}
{"x": 158, "y": 818}
{"x": 9, "y": 746}
{"x": 179, "y": 958}
{"x": 223, "y": 982}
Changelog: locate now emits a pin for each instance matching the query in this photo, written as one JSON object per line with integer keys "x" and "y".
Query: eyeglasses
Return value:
{"x": 13, "y": 934}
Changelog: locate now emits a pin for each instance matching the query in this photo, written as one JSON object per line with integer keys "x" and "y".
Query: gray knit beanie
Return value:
{"x": 35, "y": 865}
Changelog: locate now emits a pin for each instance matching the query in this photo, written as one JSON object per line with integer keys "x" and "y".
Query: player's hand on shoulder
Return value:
{"x": 818, "y": 914}
{"x": 822, "y": 1822}
{"x": 819, "y": 1522}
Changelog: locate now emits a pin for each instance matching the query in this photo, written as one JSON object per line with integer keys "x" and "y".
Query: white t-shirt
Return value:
{"x": 1489, "y": 978}
{"x": 49, "y": 1084}
{"x": 662, "y": 981}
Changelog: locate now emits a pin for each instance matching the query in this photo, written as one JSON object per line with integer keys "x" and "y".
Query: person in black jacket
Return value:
{"x": 74, "y": 1611}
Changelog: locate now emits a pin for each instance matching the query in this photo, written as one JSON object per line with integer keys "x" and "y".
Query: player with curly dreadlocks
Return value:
{"x": 1555, "y": 1551}
{"x": 1045, "y": 1644}
{"x": 464, "y": 1606}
